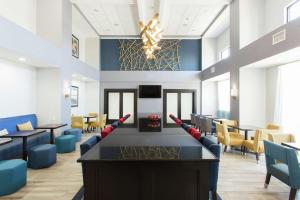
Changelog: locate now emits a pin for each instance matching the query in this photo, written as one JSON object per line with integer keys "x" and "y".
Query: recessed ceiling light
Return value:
{"x": 22, "y": 59}
{"x": 116, "y": 24}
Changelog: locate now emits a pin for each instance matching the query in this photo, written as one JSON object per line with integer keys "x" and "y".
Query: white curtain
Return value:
{"x": 224, "y": 95}
{"x": 288, "y": 98}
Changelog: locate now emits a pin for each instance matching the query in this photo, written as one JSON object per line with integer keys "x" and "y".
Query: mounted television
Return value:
{"x": 150, "y": 91}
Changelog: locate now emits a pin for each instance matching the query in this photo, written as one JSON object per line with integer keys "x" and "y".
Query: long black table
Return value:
{"x": 132, "y": 165}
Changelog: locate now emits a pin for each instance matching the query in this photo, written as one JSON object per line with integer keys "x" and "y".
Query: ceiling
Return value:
{"x": 179, "y": 18}
{"x": 220, "y": 25}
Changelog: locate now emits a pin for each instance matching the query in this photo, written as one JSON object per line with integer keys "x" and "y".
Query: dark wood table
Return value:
{"x": 133, "y": 165}
{"x": 51, "y": 127}
{"x": 24, "y": 135}
{"x": 216, "y": 119}
{"x": 88, "y": 119}
{"x": 245, "y": 128}
{"x": 292, "y": 145}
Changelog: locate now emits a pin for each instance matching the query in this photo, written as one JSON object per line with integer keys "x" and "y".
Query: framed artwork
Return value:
{"x": 74, "y": 96}
{"x": 75, "y": 46}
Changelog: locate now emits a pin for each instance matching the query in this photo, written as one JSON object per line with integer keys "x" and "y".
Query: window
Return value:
{"x": 288, "y": 98}
{"x": 293, "y": 11}
{"x": 119, "y": 102}
{"x": 224, "y": 95}
{"x": 180, "y": 103}
{"x": 225, "y": 53}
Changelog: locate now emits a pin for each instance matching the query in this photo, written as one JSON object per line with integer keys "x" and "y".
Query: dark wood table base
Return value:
{"x": 146, "y": 181}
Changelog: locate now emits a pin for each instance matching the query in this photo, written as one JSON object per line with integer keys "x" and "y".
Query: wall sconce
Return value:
{"x": 67, "y": 89}
{"x": 234, "y": 91}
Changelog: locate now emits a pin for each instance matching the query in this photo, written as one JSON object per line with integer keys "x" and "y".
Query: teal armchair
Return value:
{"x": 282, "y": 163}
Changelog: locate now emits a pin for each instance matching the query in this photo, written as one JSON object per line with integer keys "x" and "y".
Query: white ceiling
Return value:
{"x": 220, "y": 25}
{"x": 179, "y": 18}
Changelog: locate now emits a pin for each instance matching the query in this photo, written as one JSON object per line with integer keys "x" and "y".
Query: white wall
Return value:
{"x": 259, "y": 17}
{"x": 92, "y": 52}
{"x": 88, "y": 100}
{"x": 92, "y": 97}
{"x": 18, "y": 89}
{"x": 223, "y": 41}
{"x": 211, "y": 48}
{"x": 209, "y": 55}
{"x": 168, "y": 80}
{"x": 271, "y": 81}
{"x": 80, "y": 110}
{"x": 253, "y": 97}
{"x": 48, "y": 99}
{"x": 209, "y": 98}
{"x": 252, "y": 21}
{"x": 20, "y": 12}
{"x": 275, "y": 13}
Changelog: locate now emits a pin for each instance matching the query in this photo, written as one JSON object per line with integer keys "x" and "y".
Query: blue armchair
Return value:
{"x": 214, "y": 167}
{"x": 282, "y": 163}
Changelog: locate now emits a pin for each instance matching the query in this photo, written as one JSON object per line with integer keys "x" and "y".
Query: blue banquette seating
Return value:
{"x": 13, "y": 149}
{"x": 214, "y": 167}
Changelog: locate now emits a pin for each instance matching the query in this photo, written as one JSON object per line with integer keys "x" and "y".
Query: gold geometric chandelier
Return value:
{"x": 151, "y": 35}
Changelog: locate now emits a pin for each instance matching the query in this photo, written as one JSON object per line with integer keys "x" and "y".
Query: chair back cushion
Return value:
{"x": 278, "y": 138}
{"x": 11, "y": 123}
{"x": 275, "y": 152}
{"x": 88, "y": 144}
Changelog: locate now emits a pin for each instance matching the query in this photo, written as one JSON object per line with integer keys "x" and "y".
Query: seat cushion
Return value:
{"x": 13, "y": 176}
{"x": 11, "y": 150}
{"x": 236, "y": 141}
{"x": 74, "y": 131}
{"x": 249, "y": 144}
{"x": 280, "y": 171}
{"x": 42, "y": 156}
{"x": 65, "y": 143}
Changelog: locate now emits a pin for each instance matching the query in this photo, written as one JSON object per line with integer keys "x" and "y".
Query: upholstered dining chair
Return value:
{"x": 78, "y": 122}
{"x": 256, "y": 144}
{"x": 279, "y": 138}
{"x": 282, "y": 163}
{"x": 197, "y": 122}
{"x": 227, "y": 139}
{"x": 231, "y": 123}
{"x": 100, "y": 122}
{"x": 193, "y": 119}
{"x": 272, "y": 126}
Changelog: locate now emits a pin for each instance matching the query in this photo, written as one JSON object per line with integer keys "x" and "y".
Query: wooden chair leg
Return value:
{"x": 257, "y": 157}
{"x": 293, "y": 193}
{"x": 267, "y": 181}
{"x": 225, "y": 148}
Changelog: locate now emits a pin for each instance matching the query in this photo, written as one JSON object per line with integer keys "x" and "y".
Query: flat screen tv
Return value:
{"x": 150, "y": 91}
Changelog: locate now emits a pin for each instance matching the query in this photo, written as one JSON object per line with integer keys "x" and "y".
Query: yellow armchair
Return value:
{"x": 271, "y": 126}
{"x": 256, "y": 145}
{"x": 278, "y": 138}
{"x": 227, "y": 139}
{"x": 100, "y": 122}
{"x": 78, "y": 122}
{"x": 232, "y": 123}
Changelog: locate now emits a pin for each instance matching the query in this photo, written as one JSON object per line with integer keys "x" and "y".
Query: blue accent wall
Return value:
{"x": 189, "y": 53}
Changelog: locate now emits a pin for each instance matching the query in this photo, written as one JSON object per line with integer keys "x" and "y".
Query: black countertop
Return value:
{"x": 128, "y": 144}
